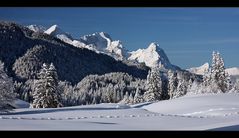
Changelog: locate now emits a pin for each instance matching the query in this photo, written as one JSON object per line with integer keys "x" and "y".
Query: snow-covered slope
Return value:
{"x": 19, "y": 104}
{"x": 102, "y": 42}
{"x": 200, "y": 70}
{"x": 233, "y": 71}
{"x": 37, "y": 28}
{"x": 198, "y": 112}
{"x": 99, "y": 42}
{"x": 57, "y": 32}
{"x": 198, "y": 105}
{"x": 152, "y": 56}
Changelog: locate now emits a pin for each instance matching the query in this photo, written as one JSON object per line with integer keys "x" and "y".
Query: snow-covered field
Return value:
{"x": 198, "y": 112}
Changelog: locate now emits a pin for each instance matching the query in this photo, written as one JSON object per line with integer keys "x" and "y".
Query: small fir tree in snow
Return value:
{"x": 235, "y": 87}
{"x": 131, "y": 99}
{"x": 172, "y": 83}
{"x": 154, "y": 85}
{"x": 46, "y": 93}
{"x": 6, "y": 88}
{"x": 138, "y": 98}
{"x": 195, "y": 88}
{"x": 125, "y": 100}
{"x": 182, "y": 86}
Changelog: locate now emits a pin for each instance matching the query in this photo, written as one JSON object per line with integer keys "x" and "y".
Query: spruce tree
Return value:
{"x": 46, "y": 93}
{"x": 6, "y": 88}
{"x": 138, "y": 98}
{"x": 216, "y": 80}
{"x": 182, "y": 86}
{"x": 154, "y": 85}
{"x": 219, "y": 78}
{"x": 172, "y": 83}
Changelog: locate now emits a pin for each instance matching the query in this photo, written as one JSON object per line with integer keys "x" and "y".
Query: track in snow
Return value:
{"x": 100, "y": 116}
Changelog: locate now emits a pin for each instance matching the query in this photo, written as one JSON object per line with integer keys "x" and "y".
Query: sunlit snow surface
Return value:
{"x": 198, "y": 112}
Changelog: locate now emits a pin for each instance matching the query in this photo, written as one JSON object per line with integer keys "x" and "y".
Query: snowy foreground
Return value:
{"x": 200, "y": 112}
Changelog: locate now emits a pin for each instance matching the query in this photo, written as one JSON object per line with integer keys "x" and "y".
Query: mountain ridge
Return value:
{"x": 101, "y": 42}
{"x": 23, "y": 51}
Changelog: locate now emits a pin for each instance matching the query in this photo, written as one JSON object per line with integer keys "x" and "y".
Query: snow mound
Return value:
{"x": 20, "y": 104}
{"x": 199, "y": 105}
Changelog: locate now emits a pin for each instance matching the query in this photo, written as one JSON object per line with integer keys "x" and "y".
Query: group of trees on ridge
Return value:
{"x": 46, "y": 91}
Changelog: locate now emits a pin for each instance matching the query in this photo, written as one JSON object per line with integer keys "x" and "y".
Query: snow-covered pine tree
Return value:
{"x": 53, "y": 86}
{"x": 6, "y": 88}
{"x": 46, "y": 94}
{"x": 235, "y": 87}
{"x": 224, "y": 79}
{"x": 131, "y": 99}
{"x": 195, "y": 88}
{"x": 172, "y": 83}
{"x": 220, "y": 81}
{"x": 138, "y": 98}
{"x": 154, "y": 85}
{"x": 182, "y": 86}
{"x": 125, "y": 100}
{"x": 228, "y": 82}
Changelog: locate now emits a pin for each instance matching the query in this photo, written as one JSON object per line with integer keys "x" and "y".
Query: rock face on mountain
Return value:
{"x": 58, "y": 33}
{"x": 37, "y": 28}
{"x": 101, "y": 42}
{"x": 152, "y": 56}
{"x": 23, "y": 51}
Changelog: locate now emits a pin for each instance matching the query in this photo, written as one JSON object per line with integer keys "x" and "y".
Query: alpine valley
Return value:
{"x": 53, "y": 81}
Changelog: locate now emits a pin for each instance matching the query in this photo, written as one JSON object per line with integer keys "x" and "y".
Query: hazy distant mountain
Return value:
{"x": 200, "y": 70}
{"x": 233, "y": 72}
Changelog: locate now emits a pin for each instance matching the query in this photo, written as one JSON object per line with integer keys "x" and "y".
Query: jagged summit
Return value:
{"x": 152, "y": 56}
{"x": 53, "y": 30}
{"x": 37, "y": 28}
{"x": 101, "y": 42}
{"x": 56, "y": 31}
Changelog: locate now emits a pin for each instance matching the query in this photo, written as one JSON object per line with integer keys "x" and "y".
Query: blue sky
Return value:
{"x": 187, "y": 35}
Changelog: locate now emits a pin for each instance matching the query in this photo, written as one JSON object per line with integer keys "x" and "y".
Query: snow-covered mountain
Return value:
{"x": 152, "y": 56}
{"x": 101, "y": 42}
{"x": 233, "y": 71}
{"x": 57, "y": 32}
{"x": 37, "y": 28}
{"x": 200, "y": 70}
{"x": 205, "y": 67}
